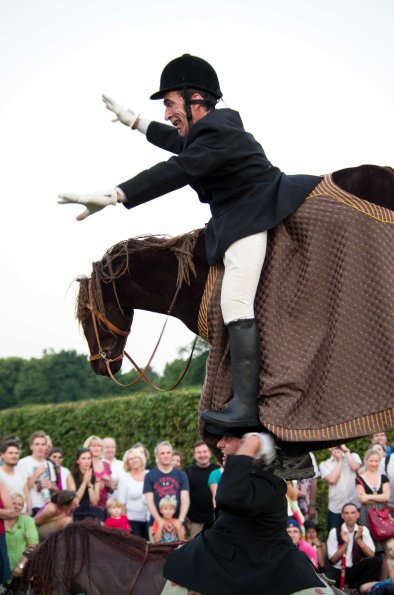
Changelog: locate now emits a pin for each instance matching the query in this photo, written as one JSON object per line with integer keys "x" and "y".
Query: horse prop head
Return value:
{"x": 106, "y": 325}
{"x": 148, "y": 273}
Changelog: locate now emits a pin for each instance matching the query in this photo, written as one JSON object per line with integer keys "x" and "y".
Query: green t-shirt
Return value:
{"x": 22, "y": 534}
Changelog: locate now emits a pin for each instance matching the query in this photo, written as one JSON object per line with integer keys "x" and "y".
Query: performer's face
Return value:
{"x": 175, "y": 112}
{"x": 228, "y": 444}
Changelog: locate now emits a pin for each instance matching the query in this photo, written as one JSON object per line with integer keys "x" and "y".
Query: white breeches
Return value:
{"x": 243, "y": 262}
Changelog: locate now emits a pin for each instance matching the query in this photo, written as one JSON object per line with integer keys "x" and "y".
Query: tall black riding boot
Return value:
{"x": 242, "y": 410}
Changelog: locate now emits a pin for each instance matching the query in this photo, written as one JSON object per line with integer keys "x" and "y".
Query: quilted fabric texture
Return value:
{"x": 325, "y": 309}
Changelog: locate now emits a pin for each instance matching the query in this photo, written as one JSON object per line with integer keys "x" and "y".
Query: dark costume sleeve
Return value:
{"x": 237, "y": 494}
{"x": 207, "y": 152}
{"x": 165, "y": 137}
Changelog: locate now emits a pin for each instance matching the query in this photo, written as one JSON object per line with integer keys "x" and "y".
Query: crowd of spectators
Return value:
{"x": 167, "y": 501}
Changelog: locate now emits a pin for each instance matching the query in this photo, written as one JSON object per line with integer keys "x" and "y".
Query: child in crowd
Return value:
{"x": 388, "y": 567}
{"x": 116, "y": 519}
{"x": 169, "y": 530}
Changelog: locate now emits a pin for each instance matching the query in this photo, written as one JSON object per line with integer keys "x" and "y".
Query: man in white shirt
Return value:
{"x": 339, "y": 471}
{"x": 350, "y": 548}
{"x": 10, "y": 475}
{"x": 117, "y": 470}
{"x": 38, "y": 471}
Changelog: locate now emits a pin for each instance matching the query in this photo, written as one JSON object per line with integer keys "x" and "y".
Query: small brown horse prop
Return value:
{"x": 88, "y": 558}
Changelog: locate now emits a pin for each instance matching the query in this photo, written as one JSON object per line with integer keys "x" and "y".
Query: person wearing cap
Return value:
{"x": 294, "y": 531}
{"x": 247, "y": 195}
{"x": 312, "y": 537}
{"x": 247, "y": 549}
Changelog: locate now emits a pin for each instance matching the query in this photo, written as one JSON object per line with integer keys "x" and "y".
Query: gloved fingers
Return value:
{"x": 83, "y": 215}
{"x": 109, "y": 102}
{"x": 124, "y": 115}
{"x": 68, "y": 198}
{"x": 115, "y": 120}
{"x": 112, "y": 105}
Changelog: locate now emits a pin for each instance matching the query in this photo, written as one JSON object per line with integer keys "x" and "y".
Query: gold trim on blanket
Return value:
{"x": 327, "y": 187}
{"x": 202, "y": 321}
{"x": 361, "y": 426}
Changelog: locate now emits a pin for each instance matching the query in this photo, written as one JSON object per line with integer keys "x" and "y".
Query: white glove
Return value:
{"x": 267, "y": 451}
{"x": 95, "y": 201}
{"x": 126, "y": 116}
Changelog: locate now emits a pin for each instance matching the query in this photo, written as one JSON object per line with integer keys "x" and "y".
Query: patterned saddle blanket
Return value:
{"x": 325, "y": 309}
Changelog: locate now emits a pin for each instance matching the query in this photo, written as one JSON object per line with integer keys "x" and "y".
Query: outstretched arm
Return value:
{"x": 162, "y": 135}
{"x": 208, "y": 151}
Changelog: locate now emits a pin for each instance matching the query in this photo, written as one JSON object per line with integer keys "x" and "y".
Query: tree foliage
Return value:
{"x": 67, "y": 376}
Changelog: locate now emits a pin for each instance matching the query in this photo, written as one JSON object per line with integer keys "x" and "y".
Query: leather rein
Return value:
{"x": 142, "y": 373}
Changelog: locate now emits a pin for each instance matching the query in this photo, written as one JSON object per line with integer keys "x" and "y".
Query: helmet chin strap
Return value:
{"x": 188, "y": 103}
{"x": 187, "y": 100}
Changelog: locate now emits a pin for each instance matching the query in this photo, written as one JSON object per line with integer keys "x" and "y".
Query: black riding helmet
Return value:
{"x": 188, "y": 73}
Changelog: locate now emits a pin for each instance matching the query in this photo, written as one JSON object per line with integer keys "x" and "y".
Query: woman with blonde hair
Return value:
{"x": 130, "y": 491}
{"x": 372, "y": 489}
{"x": 101, "y": 471}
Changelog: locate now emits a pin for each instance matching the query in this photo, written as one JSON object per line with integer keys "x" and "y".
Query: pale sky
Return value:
{"x": 312, "y": 79}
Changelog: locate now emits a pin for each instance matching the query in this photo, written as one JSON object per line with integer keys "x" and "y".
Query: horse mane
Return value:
{"x": 41, "y": 570}
{"x": 115, "y": 264}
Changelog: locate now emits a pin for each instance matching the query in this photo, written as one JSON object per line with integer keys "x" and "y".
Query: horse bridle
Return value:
{"x": 142, "y": 373}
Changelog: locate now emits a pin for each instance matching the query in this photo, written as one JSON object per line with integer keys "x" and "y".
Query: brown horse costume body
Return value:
{"x": 88, "y": 558}
{"x": 324, "y": 307}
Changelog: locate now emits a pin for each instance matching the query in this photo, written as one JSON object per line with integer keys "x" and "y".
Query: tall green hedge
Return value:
{"x": 142, "y": 417}
{"x": 146, "y": 418}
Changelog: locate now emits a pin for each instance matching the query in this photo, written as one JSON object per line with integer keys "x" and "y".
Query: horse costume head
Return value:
{"x": 152, "y": 273}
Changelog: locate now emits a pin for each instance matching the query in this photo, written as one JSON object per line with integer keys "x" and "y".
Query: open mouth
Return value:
{"x": 177, "y": 123}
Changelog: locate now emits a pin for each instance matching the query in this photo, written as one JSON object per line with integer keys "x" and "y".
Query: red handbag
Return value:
{"x": 381, "y": 523}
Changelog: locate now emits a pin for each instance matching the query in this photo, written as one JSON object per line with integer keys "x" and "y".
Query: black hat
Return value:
{"x": 234, "y": 432}
{"x": 188, "y": 72}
